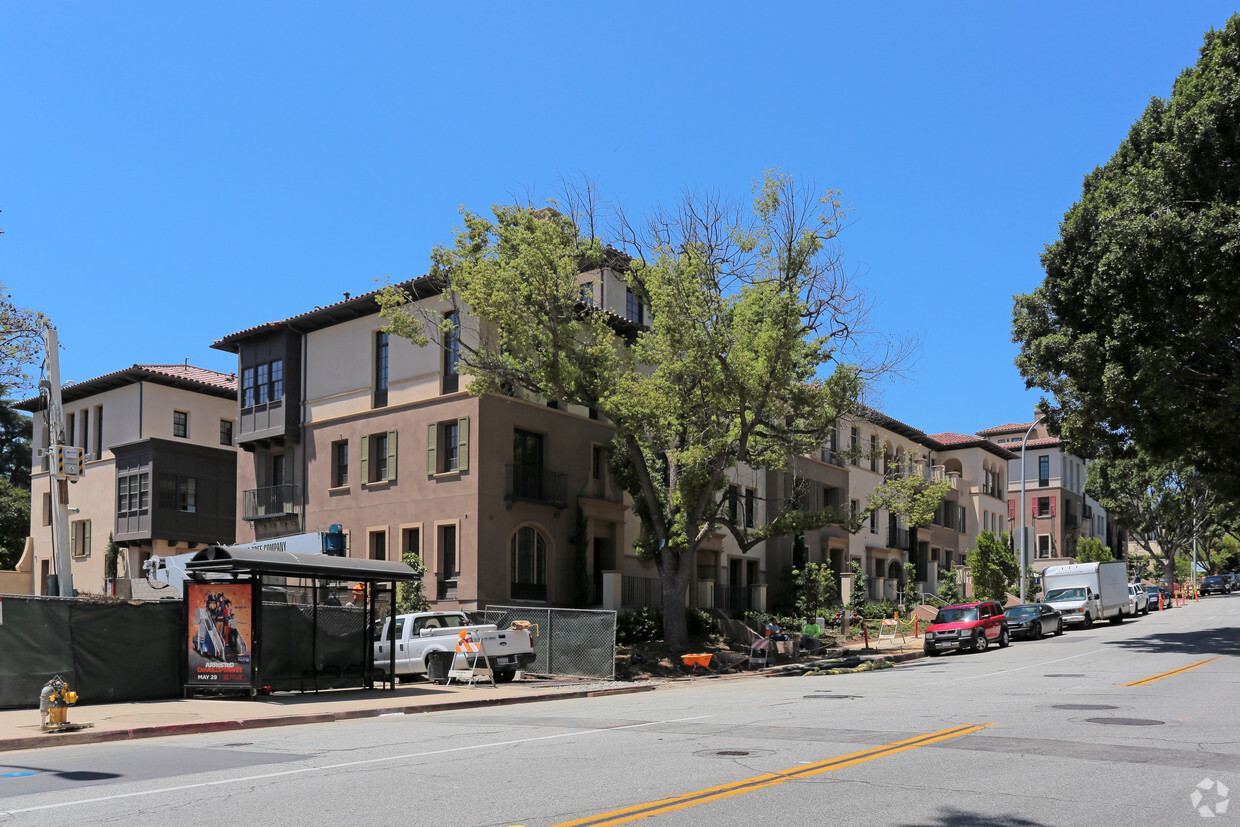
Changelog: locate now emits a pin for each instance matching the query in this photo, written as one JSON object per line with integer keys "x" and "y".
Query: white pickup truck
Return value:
{"x": 419, "y": 634}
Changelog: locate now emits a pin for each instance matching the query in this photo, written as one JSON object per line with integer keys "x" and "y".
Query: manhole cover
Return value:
{"x": 1126, "y": 721}
{"x": 1065, "y": 675}
{"x": 1084, "y": 706}
{"x": 831, "y": 697}
{"x": 733, "y": 753}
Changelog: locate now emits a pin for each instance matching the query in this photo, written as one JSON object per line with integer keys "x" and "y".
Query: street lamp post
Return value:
{"x": 1024, "y": 551}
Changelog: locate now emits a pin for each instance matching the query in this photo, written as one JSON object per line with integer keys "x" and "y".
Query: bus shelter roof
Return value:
{"x": 237, "y": 560}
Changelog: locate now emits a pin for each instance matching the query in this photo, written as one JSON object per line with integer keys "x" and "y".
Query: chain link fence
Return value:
{"x": 569, "y": 642}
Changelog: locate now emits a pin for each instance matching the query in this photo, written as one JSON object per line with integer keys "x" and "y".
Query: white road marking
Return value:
{"x": 1028, "y": 666}
{"x": 302, "y": 770}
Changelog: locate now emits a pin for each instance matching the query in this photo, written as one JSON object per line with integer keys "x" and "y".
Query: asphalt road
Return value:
{"x": 1112, "y": 725}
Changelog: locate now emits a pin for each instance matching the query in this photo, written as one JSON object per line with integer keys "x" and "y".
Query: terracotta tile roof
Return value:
{"x": 948, "y": 441}
{"x": 353, "y": 307}
{"x": 1045, "y": 442}
{"x": 1011, "y": 427}
{"x": 890, "y": 423}
{"x": 189, "y": 373}
{"x": 180, "y": 375}
{"x": 350, "y": 307}
{"x": 952, "y": 439}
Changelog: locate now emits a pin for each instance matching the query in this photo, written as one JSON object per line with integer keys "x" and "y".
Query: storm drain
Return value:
{"x": 731, "y": 752}
{"x": 1084, "y": 707}
{"x": 1126, "y": 721}
{"x": 1065, "y": 675}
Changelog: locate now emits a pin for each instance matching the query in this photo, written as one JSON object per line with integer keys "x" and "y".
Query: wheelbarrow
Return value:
{"x": 700, "y": 660}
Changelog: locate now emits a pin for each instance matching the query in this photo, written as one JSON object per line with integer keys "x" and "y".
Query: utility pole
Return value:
{"x": 1024, "y": 552}
{"x": 58, "y": 459}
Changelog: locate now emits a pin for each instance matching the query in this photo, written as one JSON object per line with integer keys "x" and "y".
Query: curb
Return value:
{"x": 800, "y": 671}
{"x": 99, "y": 736}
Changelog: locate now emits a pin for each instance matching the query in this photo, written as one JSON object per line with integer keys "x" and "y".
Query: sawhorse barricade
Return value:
{"x": 888, "y": 629}
{"x": 474, "y": 652}
{"x": 760, "y": 652}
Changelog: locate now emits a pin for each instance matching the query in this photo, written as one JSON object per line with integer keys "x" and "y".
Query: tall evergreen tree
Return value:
{"x": 1135, "y": 331}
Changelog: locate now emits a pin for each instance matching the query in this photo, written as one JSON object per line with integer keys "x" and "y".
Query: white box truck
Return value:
{"x": 1085, "y": 592}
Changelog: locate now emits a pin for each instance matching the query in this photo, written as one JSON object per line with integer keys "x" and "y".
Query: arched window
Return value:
{"x": 529, "y": 565}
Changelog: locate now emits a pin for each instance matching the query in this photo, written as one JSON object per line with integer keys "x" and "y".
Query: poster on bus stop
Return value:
{"x": 220, "y": 633}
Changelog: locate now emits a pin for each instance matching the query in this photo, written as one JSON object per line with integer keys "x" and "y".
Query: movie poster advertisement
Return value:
{"x": 220, "y": 633}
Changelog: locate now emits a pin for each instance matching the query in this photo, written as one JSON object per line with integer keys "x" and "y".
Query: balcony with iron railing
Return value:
{"x": 534, "y": 484}
{"x": 272, "y": 501}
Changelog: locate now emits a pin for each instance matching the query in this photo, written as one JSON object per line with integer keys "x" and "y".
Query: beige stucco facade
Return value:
{"x": 125, "y": 408}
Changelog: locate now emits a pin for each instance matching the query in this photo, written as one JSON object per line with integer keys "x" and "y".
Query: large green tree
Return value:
{"x": 21, "y": 340}
{"x": 743, "y": 358}
{"x": 15, "y": 432}
{"x": 14, "y": 522}
{"x": 1092, "y": 550}
{"x": 1135, "y": 331}
{"x": 993, "y": 566}
{"x": 1163, "y": 505}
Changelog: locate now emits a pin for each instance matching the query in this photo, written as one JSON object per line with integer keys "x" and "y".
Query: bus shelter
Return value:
{"x": 256, "y": 620}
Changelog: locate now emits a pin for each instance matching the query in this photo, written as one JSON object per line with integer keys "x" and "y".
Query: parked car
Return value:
{"x": 1235, "y": 581}
{"x": 1216, "y": 584}
{"x": 1168, "y": 600}
{"x": 967, "y": 626}
{"x": 1138, "y": 600}
{"x": 1033, "y": 620}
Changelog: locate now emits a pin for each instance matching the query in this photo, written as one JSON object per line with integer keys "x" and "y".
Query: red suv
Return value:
{"x": 967, "y": 626}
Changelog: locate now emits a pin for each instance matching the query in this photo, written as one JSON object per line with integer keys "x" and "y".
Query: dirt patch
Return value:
{"x": 655, "y": 660}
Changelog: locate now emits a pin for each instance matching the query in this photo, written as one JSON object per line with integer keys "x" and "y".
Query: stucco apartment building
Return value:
{"x": 160, "y": 474}
{"x": 866, "y": 448}
{"x": 505, "y": 498}
{"x": 1057, "y": 512}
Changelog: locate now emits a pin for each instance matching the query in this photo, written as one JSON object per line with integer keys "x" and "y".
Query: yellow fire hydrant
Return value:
{"x": 54, "y": 701}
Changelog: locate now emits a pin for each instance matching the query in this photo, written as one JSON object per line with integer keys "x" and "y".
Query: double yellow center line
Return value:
{"x": 1153, "y": 678}
{"x": 680, "y": 802}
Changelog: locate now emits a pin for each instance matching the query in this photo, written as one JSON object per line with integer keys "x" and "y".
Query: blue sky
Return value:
{"x": 171, "y": 173}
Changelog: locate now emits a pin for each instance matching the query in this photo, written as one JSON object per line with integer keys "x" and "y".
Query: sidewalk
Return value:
{"x": 19, "y": 728}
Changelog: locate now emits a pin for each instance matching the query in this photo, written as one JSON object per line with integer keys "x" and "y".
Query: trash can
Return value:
{"x": 437, "y": 666}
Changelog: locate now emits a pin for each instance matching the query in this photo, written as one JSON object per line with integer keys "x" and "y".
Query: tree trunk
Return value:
{"x": 1169, "y": 570}
{"x": 675, "y": 573}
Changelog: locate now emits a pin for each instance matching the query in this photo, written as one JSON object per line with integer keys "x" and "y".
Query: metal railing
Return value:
{"x": 272, "y": 501}
{"x": 527, "y": 482}
{"x": 733, "y": 599}
{"x": 641, "y": 591}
